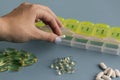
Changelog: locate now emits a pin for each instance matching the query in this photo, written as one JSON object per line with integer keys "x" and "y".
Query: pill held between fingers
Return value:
{"x": 106, "y": 70}
{"x": 63, "y": 36}
{"x": 106, "y": 77}
{"x": 103, "y": 66}
{"x": 100, "y": 74}
{"x": 117, "y": 72}
{"x": 113, "y": 74}
{"x": 109, "y": 73}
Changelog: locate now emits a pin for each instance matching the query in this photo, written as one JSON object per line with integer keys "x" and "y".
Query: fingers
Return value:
{"x": 46, "y": 15}
{"x": 41, "y": 35}
{"x": 50, "y": 20}
{"x": 53, "y": 14}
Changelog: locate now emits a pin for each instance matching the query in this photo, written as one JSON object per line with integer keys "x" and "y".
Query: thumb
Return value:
{"x": 42, "y": 35}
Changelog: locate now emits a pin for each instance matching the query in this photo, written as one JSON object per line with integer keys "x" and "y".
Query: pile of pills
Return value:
{"x": 107, "y": 73}
{"x": 14, "y": 60}
{"x": 63, "y": 65}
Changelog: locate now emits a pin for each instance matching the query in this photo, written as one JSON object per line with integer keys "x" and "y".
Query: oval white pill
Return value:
{"x": 106, "y": 77}
{"x": 97, "y": 78}
{"x": 103, "y": 66}
{"x": 113, "y": 74}
{"x": 109, "y": 73}
{"x": 106, "y": 70}
{"x": 117, "y": 72}
{"x": 100, "y": 74}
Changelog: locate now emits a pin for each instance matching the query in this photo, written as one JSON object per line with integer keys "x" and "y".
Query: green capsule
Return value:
{"x": 3, "y": 65}
{"x": 23, "y": 54}
{"x": 29, "y": 61}
{"x": 14, "y": 68}
{"x": 10, "y": 51}
{"x": 14, "y": 65}
{"x": 3, "y": 69}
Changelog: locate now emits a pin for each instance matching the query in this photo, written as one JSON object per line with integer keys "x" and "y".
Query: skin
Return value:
{"x": 19, "y": 25}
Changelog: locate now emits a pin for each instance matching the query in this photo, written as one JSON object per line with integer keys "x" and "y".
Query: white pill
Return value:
{"x": 109, "y": 73}
{"x": 59, "y": 73}
{"x": 103, "y": 66}
{"x": 63, "y": 36}
{"x": 113, "y": 74}
{"x": 100, "y": 74}
{"x": 52, "y": 66}
{"x": 97, "y": 78}
{"x": 106, "y": 77}
{"x": 106, "y": 70}
{"x": 117, "y": 72}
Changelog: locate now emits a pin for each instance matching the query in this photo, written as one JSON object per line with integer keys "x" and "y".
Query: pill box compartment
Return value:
{"x": 79, "y": 42}
{"x": 67, "y": 40}
{"x": 94, "y": 45}
{"x": 111, "y": 48}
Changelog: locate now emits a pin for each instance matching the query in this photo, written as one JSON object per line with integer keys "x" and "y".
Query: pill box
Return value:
{"x": 87, "y": 35}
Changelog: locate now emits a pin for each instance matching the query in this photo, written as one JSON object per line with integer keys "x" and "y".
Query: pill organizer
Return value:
{"x": 87, "y": 35}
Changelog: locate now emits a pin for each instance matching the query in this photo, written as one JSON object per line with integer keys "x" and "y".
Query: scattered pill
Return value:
{"x": 103, "y": 66}
{"x": 113, "y": 74}
{"x": 13, "y": 60}
{"x": 109, "y": 73}
{"x": 52, "y": 66}
{"x": 100, "y": 74}
{"x": 63, "y": 36}
{"x": 63, "y": 65}
{"x": 98, "y": 78}
{"x": 106, "y": 70}
{"x": 117, "y": 72}
{"x": 106, "y": 77}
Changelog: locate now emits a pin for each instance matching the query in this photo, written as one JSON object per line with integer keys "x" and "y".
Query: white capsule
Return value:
{"x": 106, "y": 70}
{"x": 113, "y": 74}
{"x": 117, "y": 72}
{"x": 100, "y": 74}
{"x": 103, "y": 66}
{"x": 97, "y": 78}
{"x": 106, "y": 77}
{"x": 109, "y": 72}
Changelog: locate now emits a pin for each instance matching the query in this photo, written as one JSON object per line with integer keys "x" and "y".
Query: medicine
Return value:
{"x": 113, "y": 74}
{"x": 106, "y": 77}
{"x": 117, "y": 72}
{"x": 103, "y": 66}
{"x": 105, "y": 72}
{"x": 109, "y": 72}
{"x": 63, "y": 36}
{"x": 99, "y": 75}
{"x": 97, "y": 78}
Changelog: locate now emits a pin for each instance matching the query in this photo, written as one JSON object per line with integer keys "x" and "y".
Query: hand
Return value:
{"x": 19, "y": 25}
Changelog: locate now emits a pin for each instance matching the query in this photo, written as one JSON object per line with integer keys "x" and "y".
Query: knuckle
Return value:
{"x": 33, "y": 7}
{"x": 24, "y": 3}
{"x": 46, "y": 7}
